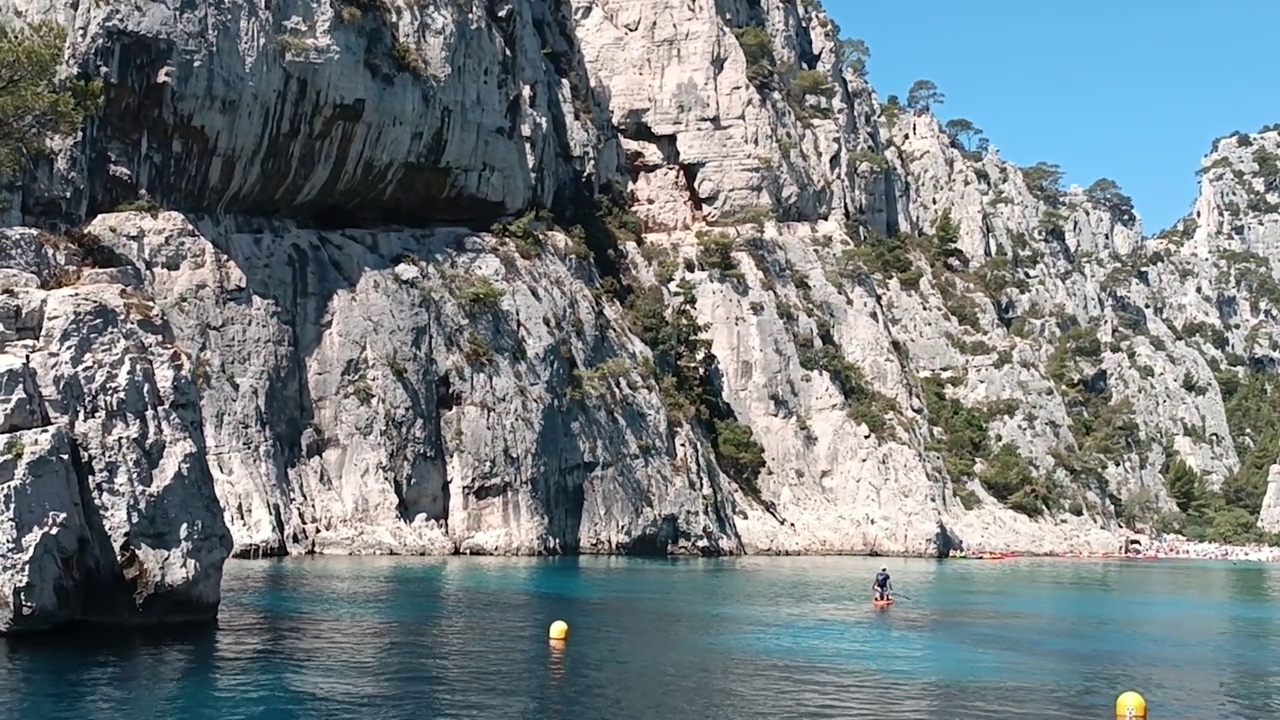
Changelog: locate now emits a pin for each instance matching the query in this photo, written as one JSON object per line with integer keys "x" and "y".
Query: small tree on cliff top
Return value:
{"x": 892, "y": 108}
{"x": 854, "y": 54}
{"x": 923, "y": 95}
{"x": 35, "y": 103}
{"x": 962, "y": 131}
{"x": 1106, "y": 193}
{"x": 1044, "y": 180}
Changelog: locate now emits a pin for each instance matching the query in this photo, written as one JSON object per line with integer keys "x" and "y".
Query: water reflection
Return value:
{"x": 1253, "y": 639}
{"x": 743, "y": 638}
{"x": 136, "y": 675}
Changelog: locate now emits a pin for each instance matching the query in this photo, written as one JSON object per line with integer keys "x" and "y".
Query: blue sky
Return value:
{"x": 1133, "y": 90}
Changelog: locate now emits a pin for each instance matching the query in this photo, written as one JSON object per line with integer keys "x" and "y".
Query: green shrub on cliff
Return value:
{"x": 825, "y": 354}
{"x": 715, "y": 251}
{"x": 36, "y": 103}
{"x": 525, "y": 232}
{"x": 853, "y": 55}
{"x": 479, "y": 295}
{"x": 739, "y": 455}
{"x": 923, "y": 95}
{"x": 1268, "y": 165}
{"x": 1226, "y": 515}
{"x": 682, "y": 365}
{"x": 1185, "y": 485}
{"x": 1253, "y": 414}
{"x": 890, "y": 258}
{"x": 757, "y": 47}
{"x": 1106, "y": 194}
{"x": 1006, "y": 475}
{"x": 1044, "y": 180}
{"x": 810, "y": 84}
{"x": 864, "y": 404}
{"x": 892, "y": 109}
{"x": 963, "y": 131}
{"x": 1011, "y": 480}
{"x": 964, "y": 428}
{"x": 877, "y": 162}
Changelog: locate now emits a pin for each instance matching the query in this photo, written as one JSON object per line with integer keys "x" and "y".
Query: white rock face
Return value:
{"x": 362, "y": 393}
{"x": 1236, "y": 231}
{"x": 108, "y": 508}
{"x": 388, "y": 109}
{"x": 1269, "y": 516}
{"x": 1022, "y": 387}
{"x": 703, "y": 141}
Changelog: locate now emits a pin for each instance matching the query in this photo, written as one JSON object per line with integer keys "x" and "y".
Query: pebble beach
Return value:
{"x": 1175, "y": 546}
{"x": 1158, "y": 547}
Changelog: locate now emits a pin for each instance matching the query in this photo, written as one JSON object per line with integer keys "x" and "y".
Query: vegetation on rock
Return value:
{"x": 962, "y": 131}
{"x": 854, "y": 54}
{"x": 757, "y": 47}
{"x": 891, "y": 109}
{"x": 684, "y": 367}
{"x": 809, "y": 85}
{"x": 1044, "y": 181}
{"x": 36, "y": 102}
{"x": 1105, "y": 193}
{"x": 924, "y": 95}
{"x": 1011, "y": 480}
{"x": 1228, "y": 515}
{"x": 966, "y": 446}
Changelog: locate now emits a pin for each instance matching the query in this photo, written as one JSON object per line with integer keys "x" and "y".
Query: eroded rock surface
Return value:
{"x": 712, "y": 295}
{"x": 109, "y": 512}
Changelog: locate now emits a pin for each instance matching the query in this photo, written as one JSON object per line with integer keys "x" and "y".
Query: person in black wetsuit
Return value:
{"x": 883, "y": 586}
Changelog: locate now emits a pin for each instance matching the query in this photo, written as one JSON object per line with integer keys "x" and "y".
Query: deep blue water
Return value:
{"x": 700, "y": 639}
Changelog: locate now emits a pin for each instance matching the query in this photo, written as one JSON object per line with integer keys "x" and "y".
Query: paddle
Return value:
{"x": 901, "y": 595}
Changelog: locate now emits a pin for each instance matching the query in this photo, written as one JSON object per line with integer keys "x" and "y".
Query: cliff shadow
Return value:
{"x": 178, "y": 125}
{"x": 84, "y": 640}
{"x": 590, "y": 419}
{"x": 300, "y": 274}
{"x": 116, "y": 587}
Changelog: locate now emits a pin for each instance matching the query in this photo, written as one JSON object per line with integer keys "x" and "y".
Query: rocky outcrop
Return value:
{"x": 335, "y": 111}
{"x": 1234, "y": 233}
{"x": 642, "y": 277}
{"x": 419, "y": 392}
{"x": 109, "y": 512}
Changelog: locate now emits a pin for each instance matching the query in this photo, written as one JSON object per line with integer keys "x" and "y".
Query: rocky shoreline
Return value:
{"x": 1166, "y": 547}
{"x": 1177, "y": 547}
{"x": 331, "y": 282}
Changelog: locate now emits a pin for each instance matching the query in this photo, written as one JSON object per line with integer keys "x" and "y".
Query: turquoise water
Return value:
{"x": 698, "y": 639}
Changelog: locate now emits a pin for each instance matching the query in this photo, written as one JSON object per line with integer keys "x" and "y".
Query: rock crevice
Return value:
{"x": 591, "y": 276}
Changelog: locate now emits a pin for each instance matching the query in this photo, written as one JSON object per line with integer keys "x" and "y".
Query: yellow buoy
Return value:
{"x": 1131, "y": 706}
{"x": 559, "y": 630}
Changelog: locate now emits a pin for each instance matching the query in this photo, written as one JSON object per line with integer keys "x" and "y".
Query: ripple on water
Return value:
{"x": 743, "y": 638}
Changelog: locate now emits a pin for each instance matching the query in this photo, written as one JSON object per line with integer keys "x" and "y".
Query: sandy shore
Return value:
{"x": 1168, "y": 547}
{"x": 1180, "y": 547}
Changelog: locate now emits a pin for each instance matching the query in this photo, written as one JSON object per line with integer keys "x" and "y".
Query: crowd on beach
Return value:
{"x": 1155, "y": 547}
{"x": 1176, "y": 546}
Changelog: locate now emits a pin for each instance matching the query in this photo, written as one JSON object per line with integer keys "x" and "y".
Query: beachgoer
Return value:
{"x": 882, "y": 585}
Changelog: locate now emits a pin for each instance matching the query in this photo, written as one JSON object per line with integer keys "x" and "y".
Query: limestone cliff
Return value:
{"x": 643, "y": 277}
{"x": 109, "y": 509}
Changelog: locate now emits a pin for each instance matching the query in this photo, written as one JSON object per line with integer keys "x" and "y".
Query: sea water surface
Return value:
{"x": 732, "y": 639}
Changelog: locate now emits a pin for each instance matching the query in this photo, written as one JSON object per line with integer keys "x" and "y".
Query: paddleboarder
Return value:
{"x": 883, "y": 585}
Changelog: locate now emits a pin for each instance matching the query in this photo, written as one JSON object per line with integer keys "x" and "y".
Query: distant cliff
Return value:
{"x": 632, "y": 277}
